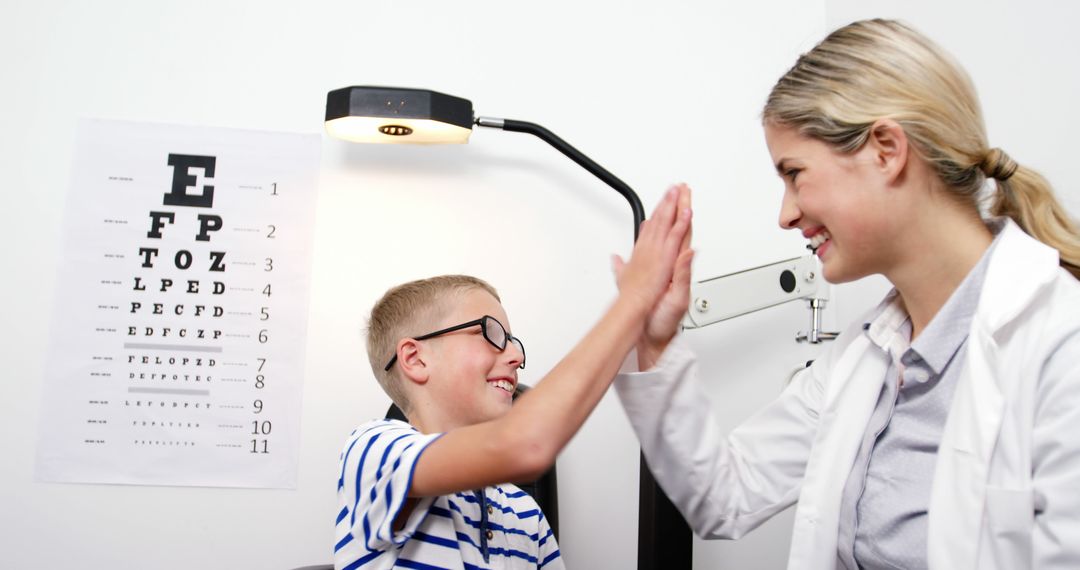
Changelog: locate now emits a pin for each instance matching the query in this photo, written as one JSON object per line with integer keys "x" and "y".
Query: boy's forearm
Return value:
{"x": 556, "y": 408}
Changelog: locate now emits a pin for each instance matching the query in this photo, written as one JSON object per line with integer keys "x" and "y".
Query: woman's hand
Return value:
{"x": 666, "y": 315}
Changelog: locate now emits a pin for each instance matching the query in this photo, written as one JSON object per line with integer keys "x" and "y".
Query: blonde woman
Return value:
{"x": 942, "y": 429}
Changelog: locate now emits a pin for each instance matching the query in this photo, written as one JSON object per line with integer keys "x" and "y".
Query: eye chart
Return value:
{"x": 179, "y": 327}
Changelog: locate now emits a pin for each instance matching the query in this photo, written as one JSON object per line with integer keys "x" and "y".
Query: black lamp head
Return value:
{"x": 397, "y": 115}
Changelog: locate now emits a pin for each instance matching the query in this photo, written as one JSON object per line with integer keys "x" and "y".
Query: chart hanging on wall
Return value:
{"x": 179, "y": 327}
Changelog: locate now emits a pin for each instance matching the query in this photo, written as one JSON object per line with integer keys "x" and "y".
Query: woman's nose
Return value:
{"x": 789, "y": 212}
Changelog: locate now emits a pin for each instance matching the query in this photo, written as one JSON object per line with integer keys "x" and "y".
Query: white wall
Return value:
{"x": 656, "y": 93}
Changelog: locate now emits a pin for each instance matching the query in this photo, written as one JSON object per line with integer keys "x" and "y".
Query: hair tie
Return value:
{"x": 998, "y": 165}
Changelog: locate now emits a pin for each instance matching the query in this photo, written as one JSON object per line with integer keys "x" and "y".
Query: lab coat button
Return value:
{"x": 491, "y": 510}
{"x": 490, "y": 535}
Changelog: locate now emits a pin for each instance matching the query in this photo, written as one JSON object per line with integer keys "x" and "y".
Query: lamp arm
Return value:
{"x": 575, "y": 155}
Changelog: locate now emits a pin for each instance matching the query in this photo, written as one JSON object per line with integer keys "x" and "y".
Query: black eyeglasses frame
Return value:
{"x": 482, "y": 321}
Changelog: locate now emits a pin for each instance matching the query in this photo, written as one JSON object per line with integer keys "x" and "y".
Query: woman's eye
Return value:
{"x": 792, "y": 174}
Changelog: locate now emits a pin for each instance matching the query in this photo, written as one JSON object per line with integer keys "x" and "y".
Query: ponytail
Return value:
{"x": 1026, "y": 197}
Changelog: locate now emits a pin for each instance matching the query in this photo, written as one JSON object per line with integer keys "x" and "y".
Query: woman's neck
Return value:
{"x": 937, "y": 255}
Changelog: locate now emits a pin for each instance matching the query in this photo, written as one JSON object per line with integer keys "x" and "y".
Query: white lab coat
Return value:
{"x": 1006, "y": 489}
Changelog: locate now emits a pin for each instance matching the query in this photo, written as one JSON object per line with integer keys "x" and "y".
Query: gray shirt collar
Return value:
{"x": 889, "y": 328}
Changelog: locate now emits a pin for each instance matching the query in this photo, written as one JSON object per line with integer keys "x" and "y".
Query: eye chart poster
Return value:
{"x": 179, "y": 327}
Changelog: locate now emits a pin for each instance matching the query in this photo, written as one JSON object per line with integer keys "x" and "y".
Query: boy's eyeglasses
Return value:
{"x": 493, "y": 331}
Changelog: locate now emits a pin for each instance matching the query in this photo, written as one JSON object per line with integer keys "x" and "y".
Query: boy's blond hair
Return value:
{"x": 411, "y": 309}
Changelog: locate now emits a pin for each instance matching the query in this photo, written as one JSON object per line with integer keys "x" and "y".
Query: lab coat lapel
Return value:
{"x": 962, "y": 473}
{"x": 853, "y": 389}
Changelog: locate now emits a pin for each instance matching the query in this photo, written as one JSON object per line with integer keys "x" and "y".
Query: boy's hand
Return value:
{"x": 661, "y": 252}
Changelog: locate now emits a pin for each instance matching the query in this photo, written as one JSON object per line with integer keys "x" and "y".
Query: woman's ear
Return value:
{"x": 890, "y": 147}
{"x": 412, "y": 361}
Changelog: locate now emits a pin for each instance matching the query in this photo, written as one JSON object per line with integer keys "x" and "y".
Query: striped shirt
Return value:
{"x": 495, "y": 527}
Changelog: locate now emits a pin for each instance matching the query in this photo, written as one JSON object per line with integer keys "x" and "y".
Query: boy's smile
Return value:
{"x": 504, "y": 383}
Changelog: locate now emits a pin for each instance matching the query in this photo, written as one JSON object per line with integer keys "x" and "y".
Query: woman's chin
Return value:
{"x": 834, "y": 272}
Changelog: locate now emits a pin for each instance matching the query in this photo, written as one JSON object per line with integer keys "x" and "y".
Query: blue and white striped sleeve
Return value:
{"x": 548, "y": 555}
{"x": 377, "y": 467}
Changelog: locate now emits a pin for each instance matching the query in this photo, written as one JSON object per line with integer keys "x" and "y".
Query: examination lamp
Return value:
{"x": 398, "y": 116}
{"x": 418, "y": 116}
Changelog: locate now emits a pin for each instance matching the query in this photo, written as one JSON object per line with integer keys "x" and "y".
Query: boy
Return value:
{"x": 431, "y": 493}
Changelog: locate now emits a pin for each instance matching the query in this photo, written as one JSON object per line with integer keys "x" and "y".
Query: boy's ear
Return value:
{"x": 890, "y": 146}
{"x": 412, "y": 362}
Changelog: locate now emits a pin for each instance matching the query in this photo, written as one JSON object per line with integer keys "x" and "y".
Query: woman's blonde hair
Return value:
{"x": 882, "y": 69}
